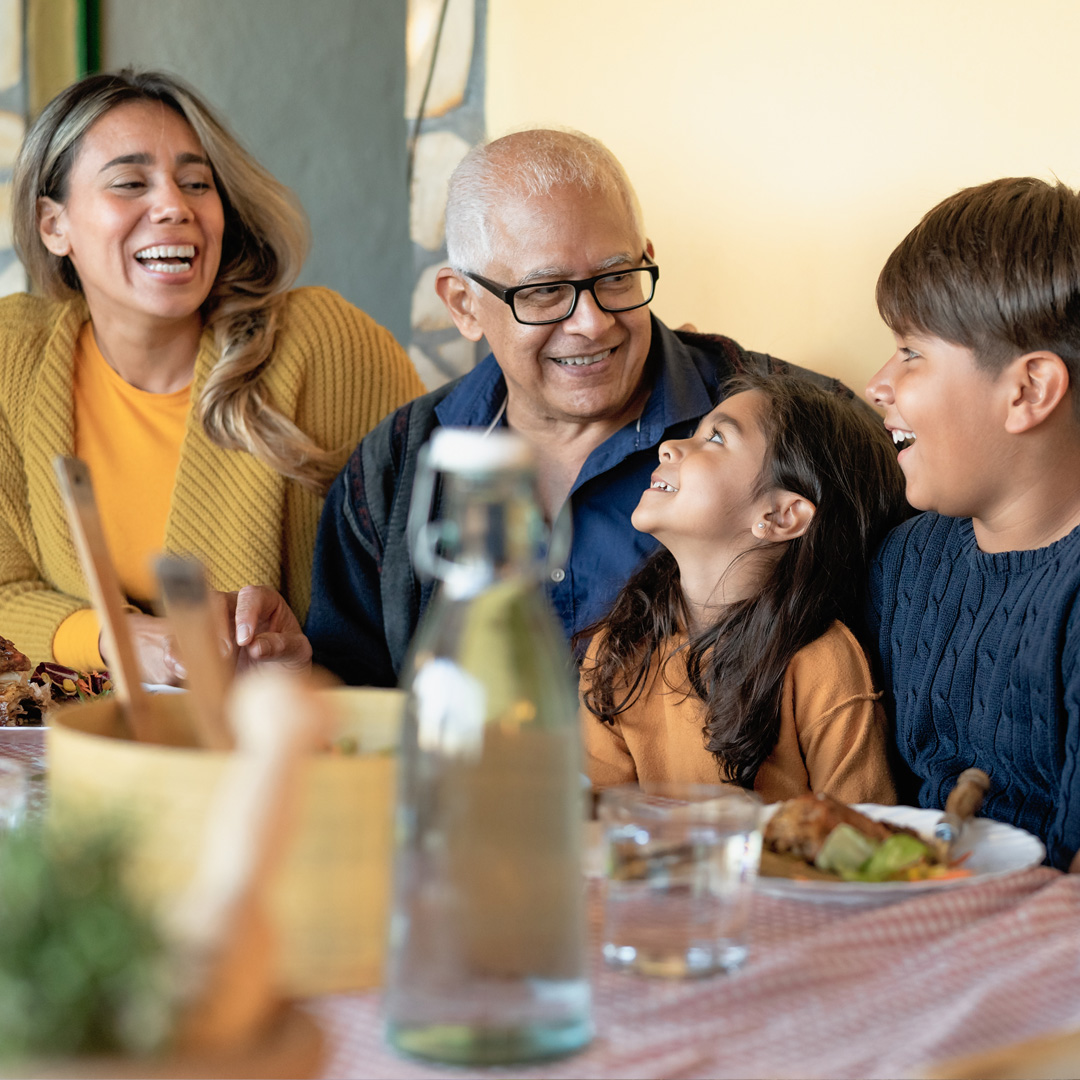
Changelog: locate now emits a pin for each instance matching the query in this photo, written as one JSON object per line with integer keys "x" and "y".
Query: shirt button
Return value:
{"x": 558, "y": 574}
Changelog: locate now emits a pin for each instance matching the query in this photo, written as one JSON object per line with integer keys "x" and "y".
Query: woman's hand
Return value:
{"x": 262, "y": 629}
{"x": 151, "y": 641}
{"x": 255, "y": 627}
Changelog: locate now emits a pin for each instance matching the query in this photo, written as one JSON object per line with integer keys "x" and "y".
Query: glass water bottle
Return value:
{"x": 488, "y": 947}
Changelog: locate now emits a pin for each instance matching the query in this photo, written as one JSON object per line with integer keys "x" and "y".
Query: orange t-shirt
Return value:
{"x": 130, "y": 439}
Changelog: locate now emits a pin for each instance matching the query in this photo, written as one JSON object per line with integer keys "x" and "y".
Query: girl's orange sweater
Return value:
{"x": 834, "y": 735}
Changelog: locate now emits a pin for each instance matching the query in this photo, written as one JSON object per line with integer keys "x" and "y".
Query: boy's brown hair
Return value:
{"x": 994, "y": 268}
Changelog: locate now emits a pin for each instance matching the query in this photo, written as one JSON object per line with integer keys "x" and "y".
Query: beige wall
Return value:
{"x": 781, "y": 148}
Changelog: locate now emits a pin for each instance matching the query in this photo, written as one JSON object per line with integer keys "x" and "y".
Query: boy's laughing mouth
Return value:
{"x": 902, "y": 438}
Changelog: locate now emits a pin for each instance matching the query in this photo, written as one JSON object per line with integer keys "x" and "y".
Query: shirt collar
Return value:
{"x": 477, "y": 398}
{"x": 679, "y": 392}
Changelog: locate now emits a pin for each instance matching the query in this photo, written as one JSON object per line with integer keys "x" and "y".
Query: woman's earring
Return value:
{"x": 760, "y": 525}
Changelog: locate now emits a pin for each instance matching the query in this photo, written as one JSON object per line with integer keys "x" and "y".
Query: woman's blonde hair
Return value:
{"x": 263, "y": 248}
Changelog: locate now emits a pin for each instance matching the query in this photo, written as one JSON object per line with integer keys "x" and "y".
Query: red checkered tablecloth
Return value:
{"x": 828, "y": 991}
{"x": 27, "y": 746}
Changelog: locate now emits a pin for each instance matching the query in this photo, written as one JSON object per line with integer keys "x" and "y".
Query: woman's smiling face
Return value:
{"x": 142, "y": 221}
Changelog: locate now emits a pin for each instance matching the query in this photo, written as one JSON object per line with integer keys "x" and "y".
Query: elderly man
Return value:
{"x": 550, "y": 263}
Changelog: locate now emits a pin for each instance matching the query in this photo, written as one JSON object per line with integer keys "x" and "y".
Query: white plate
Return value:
{"x": 996, "y": 849}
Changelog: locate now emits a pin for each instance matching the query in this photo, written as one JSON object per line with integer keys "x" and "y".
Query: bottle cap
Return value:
{"x": 465, "y": 450}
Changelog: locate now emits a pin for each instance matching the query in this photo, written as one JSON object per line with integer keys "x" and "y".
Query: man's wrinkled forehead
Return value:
{"x": 535, "y": 238}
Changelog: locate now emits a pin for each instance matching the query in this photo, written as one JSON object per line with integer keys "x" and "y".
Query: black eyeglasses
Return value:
{"x": 553, "y": 301}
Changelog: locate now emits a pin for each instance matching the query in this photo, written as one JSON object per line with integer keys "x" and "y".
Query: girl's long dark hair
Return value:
{"x": 828, "y": 449}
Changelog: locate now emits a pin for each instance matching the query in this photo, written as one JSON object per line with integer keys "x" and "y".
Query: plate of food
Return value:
{"x": 27, "y": 693}
{"x": 821, "y": 850}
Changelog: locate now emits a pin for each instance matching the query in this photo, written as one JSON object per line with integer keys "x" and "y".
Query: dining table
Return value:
{"x": 829, "y": 989}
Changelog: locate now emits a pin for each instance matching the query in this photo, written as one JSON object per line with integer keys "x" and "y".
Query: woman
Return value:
{"x": 213, "y": 404}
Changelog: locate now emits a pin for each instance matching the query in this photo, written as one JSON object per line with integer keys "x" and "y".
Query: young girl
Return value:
{"x": 725, "y": 657}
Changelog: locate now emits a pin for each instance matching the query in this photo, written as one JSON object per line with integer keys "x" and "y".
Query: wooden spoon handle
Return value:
{"x": 85, "y": 521}
{"x": 965, "y": 799}
{"x": 183, "y": 589}
{"x": 219, "y": 927}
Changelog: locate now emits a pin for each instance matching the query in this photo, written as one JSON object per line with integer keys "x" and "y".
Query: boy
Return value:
{"x": 975, "y": 605}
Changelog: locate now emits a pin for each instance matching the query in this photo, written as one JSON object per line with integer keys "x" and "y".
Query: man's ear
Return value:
{"x": 649, "y": 249}
{"x": 1037, "y": 382}
{"x": 50, "y": 226}
{"x": 460, "y": 300}
{"x": 786, "y": 517}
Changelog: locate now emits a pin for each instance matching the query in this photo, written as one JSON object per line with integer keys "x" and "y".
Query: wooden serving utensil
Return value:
{"x": 82, "y": 511}
{"x": 187, "y": 606}
{"x": 219, "y": 928}
{"x": 962, "y": 804}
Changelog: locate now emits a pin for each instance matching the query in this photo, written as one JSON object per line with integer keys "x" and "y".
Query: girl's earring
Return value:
{"x": 760, "y": 526}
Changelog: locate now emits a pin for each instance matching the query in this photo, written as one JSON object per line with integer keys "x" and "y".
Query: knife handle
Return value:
{"x": 965, "y": 799}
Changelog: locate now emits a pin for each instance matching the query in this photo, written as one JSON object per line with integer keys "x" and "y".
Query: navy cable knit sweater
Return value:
{"x": 980, "y": 658}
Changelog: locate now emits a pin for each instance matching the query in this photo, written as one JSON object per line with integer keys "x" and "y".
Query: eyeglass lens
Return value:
{"x": 615, "y": 292}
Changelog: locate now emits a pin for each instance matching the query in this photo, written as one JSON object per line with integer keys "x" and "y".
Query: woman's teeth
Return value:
{"x": 581, "y": 361}
{"x": 151, "y": 257}
{"x": 899, "y": 436}
{"x": 659, "y": 485}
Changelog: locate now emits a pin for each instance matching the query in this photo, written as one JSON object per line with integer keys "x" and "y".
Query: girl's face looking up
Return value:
{"x": 705, "y": 491}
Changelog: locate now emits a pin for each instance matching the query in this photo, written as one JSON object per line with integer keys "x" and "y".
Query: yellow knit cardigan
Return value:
{"x": 334, "y": 372}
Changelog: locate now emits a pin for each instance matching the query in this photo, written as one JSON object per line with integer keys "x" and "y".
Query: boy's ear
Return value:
{"x": 460, "y": 300}
{"x": 1038, "y": 382}
{"x": 788, "y": 518}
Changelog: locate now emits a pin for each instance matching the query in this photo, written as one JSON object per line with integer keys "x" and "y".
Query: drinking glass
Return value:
{"x": 680, "y": 866}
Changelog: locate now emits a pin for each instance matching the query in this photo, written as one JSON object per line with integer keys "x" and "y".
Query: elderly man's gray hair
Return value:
{"x": 526, "y": 164}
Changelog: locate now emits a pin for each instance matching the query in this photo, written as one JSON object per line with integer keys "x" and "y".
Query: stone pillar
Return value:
{"x": 38, "y": 58}
{"x": 13, "y": 105}
{"x": 453, "y": 122}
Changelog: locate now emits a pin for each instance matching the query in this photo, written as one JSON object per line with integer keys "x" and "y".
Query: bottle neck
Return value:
{"x": 494, "y": 532}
